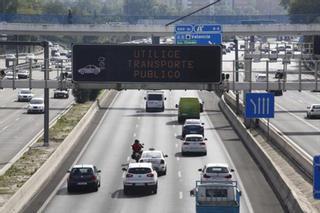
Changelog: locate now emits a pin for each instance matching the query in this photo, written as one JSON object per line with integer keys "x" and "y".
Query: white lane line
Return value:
{"x": 176, "y": 145}
{"x": 134, "y": 135}
{"x": 174, "y": 126}
{"x": 179, "y": 174}
{"x": 175, "y": 134}
{"x": 177, "y": 158}
{"x": 4, "y": 128}
{"x": 297, "y": 117}
{"x": 18, "y": 119}
{"x": 300, "y": 101}
{"x": 128, "y": 158}
{"x": 180, "y": 195}
{"x": 139, "y": 118}
{"x": 137, "y": 125}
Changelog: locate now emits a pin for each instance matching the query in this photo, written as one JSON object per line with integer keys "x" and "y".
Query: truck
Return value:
{"x": 217, "y": 196}
{"x": 189, "y": 108}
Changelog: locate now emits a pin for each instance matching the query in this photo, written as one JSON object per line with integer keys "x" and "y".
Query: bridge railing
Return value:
{"x": 102, "y": 19}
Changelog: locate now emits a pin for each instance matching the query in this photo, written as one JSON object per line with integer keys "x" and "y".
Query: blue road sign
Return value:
{"x": 316, "y": 177}
{"x": 259, "y": 105}
{"x": 198, "y": 38}
{"x": 198, "y": 34}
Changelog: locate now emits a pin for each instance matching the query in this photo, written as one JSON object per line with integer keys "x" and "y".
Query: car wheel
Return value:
{"x": 125, "y": 190}
{"x": 308, "y": 116}
{"x": 96, "y": 187}
{"x": 70, "y": 189}
{"x": 165, "y": 172}
{"x": 205, "y": 153}
{"x": 67, "y": 96}
{"x": 155, "y": 189}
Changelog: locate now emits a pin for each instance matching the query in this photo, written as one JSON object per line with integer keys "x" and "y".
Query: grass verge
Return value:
{"x": 32, "y": 160}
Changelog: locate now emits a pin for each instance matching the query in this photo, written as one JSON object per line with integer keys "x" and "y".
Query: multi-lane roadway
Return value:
{"x": 126, "y": 120}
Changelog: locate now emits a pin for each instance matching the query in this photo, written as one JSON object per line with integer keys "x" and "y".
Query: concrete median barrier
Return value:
{"x": 292, "y": 199}
{"x": 50, "y": 167}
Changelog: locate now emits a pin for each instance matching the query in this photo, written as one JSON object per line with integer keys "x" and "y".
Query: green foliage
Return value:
{"x": 55, "y": 8}
{"x": 307, "y": 8}
{"x": 8, "y": 6}
{"x": 84, "y": 95}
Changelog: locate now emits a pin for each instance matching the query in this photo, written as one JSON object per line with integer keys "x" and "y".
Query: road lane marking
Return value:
{"x": 179, "y": 174}
{"x": 297, "y": 117}
{"x": 175, "y": 134}
{"x": 134, "y": 135}
{"x": 180, "y": 195}
{"x": 4, "y": 128}
{"x": 176, "y": 145}
{"x": 128, "y": 158}
{"x": 18, "y": 119}
{"x": 177, "y": 158}
{"x": 137, "y": 125}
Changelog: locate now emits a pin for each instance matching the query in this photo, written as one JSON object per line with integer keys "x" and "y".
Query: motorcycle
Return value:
{"x": 136, "y": 155}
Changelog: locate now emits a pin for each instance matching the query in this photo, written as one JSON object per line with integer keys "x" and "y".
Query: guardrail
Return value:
{"x": 292, "y": 199}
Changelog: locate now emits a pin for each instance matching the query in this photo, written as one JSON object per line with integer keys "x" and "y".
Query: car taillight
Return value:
{"x": 206, "y": 176}
{"x": 150, "y": 175}
{"x": 185, "y": 143}
{"x": 162, "y": 162}
{"x": 129, "y": 175}
{"x": 228, "y": 176}
{"x": 93, "y": 177}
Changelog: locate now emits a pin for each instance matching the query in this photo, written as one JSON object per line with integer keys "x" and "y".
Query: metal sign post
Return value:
{"x": 45, "y": 45}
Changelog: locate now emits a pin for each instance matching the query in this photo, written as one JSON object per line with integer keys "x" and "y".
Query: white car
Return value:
{"x": 140, "y": 176}
{"x": 157, "y": 159}
{"x": 194, "y": 143}
{"x": 11, "y": 76}
{"x": 36, "y": 105}
{"x": 25, "y": 95}
{"x": 313, "y": 111}
{"x": 261, "y": 77}
{"x": 89, "y": 69}
{"x": 61, "y": 93}
{"x": 155, "y": 101}
{"x": 216, "y": 171}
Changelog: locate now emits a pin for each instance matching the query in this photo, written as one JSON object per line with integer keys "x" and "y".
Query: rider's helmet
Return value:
{"x": 136, "y": 141}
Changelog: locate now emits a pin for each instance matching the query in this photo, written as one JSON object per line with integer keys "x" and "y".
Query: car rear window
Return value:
{"x": 193, "y": 127}
{"x": 193, "y": 139}
{"x": 151, "y": 155}
{"x": 217, "y": 170}
{"x": 155, "y": 97}
{"x": 139, "y": 170}
{"x": 25, "y": 92}
{"x": 316, "y": 107}
{"x": 82, "y": 171}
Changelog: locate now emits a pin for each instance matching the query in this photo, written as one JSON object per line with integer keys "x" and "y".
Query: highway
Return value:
{"x": 17, "y": 127}
{"x": 290, "y": 109}
{"x": 109, "y": 149}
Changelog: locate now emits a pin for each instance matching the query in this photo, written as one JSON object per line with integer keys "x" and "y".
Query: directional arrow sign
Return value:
{"x": 259, "y": 105}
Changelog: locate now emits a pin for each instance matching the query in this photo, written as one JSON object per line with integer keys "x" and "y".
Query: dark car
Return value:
{"x": 279, "y": 74}
{"x": 192, "y": 129}
{"x": 276, "y": 92}
{"x": 61, "y": 93}
{"x": 83, "y": 176}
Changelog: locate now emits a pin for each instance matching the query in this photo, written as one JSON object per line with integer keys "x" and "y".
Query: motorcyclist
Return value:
{"x": 137, "y": 146}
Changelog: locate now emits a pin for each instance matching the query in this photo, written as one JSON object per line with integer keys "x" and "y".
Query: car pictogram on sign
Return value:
{"x": 89, "y": 69}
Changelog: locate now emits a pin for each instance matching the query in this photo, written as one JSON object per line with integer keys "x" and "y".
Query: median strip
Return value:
{"x": 37, "y": 154}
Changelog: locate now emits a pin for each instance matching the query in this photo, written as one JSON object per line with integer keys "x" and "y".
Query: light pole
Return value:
{"x": 189, "y": 14}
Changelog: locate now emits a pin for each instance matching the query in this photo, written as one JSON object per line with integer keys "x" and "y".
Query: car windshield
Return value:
{"x": 36, "y": 101}
{"x": 316, "y": 106}
{"x": 193, "y": 139}
{"x": 82, "y": 171}
{"x": 151, "y": 155}
{"x": 25, "y": 92}
{"x": 155, "y": 97}
{"x": 139, "y": 170}
{"x": 217, "y": 170}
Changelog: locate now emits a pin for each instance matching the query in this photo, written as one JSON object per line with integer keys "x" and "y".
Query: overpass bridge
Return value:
{"x": 151, "y": 29}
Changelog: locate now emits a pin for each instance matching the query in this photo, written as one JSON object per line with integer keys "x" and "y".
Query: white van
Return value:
{"x": 155, "y": 101}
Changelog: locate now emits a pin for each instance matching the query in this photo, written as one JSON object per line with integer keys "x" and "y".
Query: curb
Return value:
{"x": 280, "y": 183}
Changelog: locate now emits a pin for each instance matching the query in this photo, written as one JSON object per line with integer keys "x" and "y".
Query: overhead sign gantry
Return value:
{"x": 147, "y": 66}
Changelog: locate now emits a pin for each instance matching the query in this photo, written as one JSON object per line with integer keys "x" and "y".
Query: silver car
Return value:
{"x": 25, "y": 95}
{"x": 157, "y": 159}
{"x": 313, "y": 111}
{"x": 36, "y": 105}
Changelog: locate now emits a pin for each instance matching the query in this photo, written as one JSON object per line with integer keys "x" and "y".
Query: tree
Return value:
{"x": 55, "y": 8}
{"x": 9, "y": 6}
{"x": 303, "y": 11}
